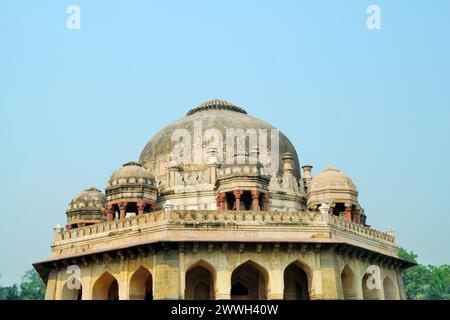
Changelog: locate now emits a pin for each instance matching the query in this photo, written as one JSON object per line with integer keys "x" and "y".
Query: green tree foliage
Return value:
{"x": 426, "y": 282}
{"x": 31, "y": 288}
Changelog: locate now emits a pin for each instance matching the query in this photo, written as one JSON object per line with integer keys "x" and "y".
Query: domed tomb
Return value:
{"x": 214, "y": 116}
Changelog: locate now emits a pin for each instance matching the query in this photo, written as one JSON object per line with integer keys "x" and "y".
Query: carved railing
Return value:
{"x": 205, "y": 217}
{"x": 343, "y": 223}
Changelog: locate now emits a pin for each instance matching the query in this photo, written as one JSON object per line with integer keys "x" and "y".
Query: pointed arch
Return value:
{"x": 74, "y": 293}
{"x": 249, "y": 282}
{"x": 348, "y": 283}
{"x": 389, "y": 289}
{"x": 141, "y": 285}
{"x": 106, "y": 288}
{"x": 369, "y": 293}
{"x": 297, "y": 281}
{"x": 200, "y": 281}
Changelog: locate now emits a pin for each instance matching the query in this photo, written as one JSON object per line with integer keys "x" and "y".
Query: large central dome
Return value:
{"x": 214, "y": 114}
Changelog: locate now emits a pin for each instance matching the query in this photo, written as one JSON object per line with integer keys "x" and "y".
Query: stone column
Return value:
{"x": 237, "y": 195}
{"x": 182, "y": 272}
{"x": 213, "y": 165}
{"x": 329, "y": 274}
{"x": 124, "y": 289}
{"x": 324, "y": 209}
{"x": 307, "y": 177}
{"x": 223, "y": 285}
{"x": 50, "y": 290}
{"x": 275, "y": 287}
{"x": 357, "y": 215}
{"x": 109, "y": 213}
{"x": 266, "y": 201}
{"x": 255, "y": 198}
{"x": 221, "y": 200}
{"x": 123, "y": 210}
{"x": 166, "y": 275}
{"x": 153, "y": 206}
{"x": 348, "y": 212}
{"x": 140, "y": 207}
{"x": 173, "y": 170}
{"x": 331, "y": 210}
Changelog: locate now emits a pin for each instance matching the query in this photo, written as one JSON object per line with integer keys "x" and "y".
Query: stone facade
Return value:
{"x": 221, "y": 230}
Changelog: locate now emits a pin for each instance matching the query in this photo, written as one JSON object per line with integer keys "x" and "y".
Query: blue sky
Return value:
{"x": 77, "y": 104}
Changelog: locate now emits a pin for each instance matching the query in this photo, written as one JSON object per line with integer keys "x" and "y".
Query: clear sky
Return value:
{"x": 77, "y": 104}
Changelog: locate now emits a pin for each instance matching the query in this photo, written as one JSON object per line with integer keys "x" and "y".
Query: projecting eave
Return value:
{"x": 44, "y": 267}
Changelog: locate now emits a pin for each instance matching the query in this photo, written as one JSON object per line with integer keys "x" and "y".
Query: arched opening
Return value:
{"x": 370, "y": 292}
{"x": 199, "y": 283}
{"x": 238, "y": 289}
{"x": 106, "y": 288}
{"x": 230, "y": 201}
{"x": 141, "y": 285}
{"x": 389, "y": 289}
{"x": 348, "y": 284}
{"x": 248, "y": 282}
{"x": 296, "y": 286}
{"x": 75, "y": 293}
{"x": 246, "y": 201}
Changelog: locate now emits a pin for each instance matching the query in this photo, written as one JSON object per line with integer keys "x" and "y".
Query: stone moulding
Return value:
{"x": 216, "y": 217}
{"x": 207, "y": 225}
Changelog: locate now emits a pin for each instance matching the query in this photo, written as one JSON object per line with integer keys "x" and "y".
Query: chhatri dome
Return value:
{"x": 214, "y": 114}
{"x": 131, "y": 173}
{"x": 333, "y": 187}
{"x": 86, "y": 208}
{"x": 233, "y": 224}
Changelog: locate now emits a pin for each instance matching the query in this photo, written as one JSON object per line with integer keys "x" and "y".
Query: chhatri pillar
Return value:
{"x": 221, "y": 200}
{"x": 237, "y": 195}
{"x": 140, "y": 208}
{"x": 357, "y": 215}
{"x": 331, "y": 209}
{"x": 348, "y": 212}
{"x": 255, "y": 199}
{"x": 266, "y": 201}
{"x": 123, "y": 210}
{"x": 109, "y": 213}
{"x": 153, "y": 206}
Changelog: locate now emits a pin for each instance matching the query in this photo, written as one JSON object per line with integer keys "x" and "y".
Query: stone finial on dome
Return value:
{"x": 132, "y": 163}
{"x": 217, "y": 104}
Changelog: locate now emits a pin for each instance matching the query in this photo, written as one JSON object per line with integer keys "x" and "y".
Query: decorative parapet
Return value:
{"x": 342, "y": 223}
{"x": 239, "y": 169}
{"x": 214, "y": 218}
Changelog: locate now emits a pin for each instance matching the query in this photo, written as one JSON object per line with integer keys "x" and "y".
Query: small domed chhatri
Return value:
{"x": 130, "y": 190}
{"x": 131, "y": 173}
{"x": 337, "y": 190}
{"x": 86, "y": 208}
{"x": 248, "y": 227}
